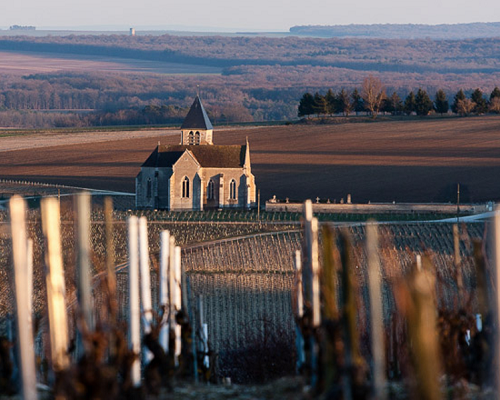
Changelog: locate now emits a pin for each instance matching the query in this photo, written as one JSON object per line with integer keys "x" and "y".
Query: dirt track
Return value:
{"x": 417, "y": 161}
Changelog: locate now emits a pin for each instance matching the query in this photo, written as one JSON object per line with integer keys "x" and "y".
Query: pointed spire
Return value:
{"x": 197, "y": 117}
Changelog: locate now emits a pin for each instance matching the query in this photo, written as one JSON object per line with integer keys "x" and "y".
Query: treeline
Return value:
{"x": 402, "y": 31}
{"x": 373, "y": 99}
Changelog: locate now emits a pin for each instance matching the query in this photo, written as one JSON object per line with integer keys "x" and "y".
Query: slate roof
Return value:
{"x": 165, "y": 156}
{"x": 197, "y": 117}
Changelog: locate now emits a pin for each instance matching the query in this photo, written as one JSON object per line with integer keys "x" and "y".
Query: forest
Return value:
{"x": 262, "y": 79}
{"x": 398, "y": 31}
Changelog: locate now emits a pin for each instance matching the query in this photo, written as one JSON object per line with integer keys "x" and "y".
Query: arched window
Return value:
{"x": 197, "y": 138}
{"x": 185, "y": 187}
{"x": 232, "y": 190}
{"x": 148, "y": 189}
{"x": 211, "y": 190}
{"x": 191, "y": 137}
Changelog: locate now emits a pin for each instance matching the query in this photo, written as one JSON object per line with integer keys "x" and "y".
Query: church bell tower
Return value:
{"x": 196, "y": 128}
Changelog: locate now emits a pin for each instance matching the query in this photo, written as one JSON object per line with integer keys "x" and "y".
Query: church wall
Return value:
{"x": 186, "y": 166}
{"x": 145, "y": 198}
{"x": 164, "y": 175}
{"x": 229, "y": 174}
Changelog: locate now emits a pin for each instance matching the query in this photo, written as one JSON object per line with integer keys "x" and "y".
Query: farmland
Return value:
{"x": 402, "y": 161}
{"x": 14, "y": 63}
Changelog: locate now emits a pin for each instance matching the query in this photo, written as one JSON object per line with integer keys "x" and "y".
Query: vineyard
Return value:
{"x": 240, "y": 277}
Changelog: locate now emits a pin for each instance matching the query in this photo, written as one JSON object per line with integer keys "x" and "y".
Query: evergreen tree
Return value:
{"x": 357, "y": 101}
{"x": 460, "y": 96}
{"x": 331, "y": 102}
{"x": 345, "y": 104}
{"x": 320, "y": 104}
{"x": 494, "y": 103}
{"x": 495, "y": 93}
{"x": 423, "y": 103}
{"x": 306, "y": 105}
{"x": 481, "y": 106}
{"x": 441, "y": 102}
{"x": 409, "y": 105}
{"x": 393, "y": 104}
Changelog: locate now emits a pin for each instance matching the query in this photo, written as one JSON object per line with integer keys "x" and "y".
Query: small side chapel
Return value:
{"x": 196, "y": 174}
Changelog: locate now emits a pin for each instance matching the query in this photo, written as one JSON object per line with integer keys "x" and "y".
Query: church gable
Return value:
{"x": 187, "y": 161}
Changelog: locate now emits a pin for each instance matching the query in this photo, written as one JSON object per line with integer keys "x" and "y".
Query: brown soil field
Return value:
{"x": 409, "y": 161}
{"x": 22, "y": 63}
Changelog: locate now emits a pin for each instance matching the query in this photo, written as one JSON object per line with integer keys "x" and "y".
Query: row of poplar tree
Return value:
{"x": 374, "y": 100}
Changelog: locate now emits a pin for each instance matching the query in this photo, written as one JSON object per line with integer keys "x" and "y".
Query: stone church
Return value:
{"x": 196, "y": 174}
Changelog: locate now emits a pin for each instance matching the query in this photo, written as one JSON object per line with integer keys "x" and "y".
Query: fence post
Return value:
{"x": 299, "y": 310}
{"x": 83, "y": 240}
{"x": 177, "y": 301}
{"x": 145, "y": 279}
{"x": 56, "y": 291}
{"x": 110, "y": 259}
{"x": 376, "y": 312}
{"x": 163, "y": 292}
{"x": 496, "y": 255}
{"x": 310, "y": 281}
{"x": 22, "y": 249}
{"x": 134, "y": 303}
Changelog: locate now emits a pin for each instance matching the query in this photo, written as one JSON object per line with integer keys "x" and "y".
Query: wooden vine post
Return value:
{"x": 163, "y": 292}
{"x": 83, "y": 205}
{"x": 110, "y": 259}
{"x": 299, "y": 310}
{"x": 496, "y": 273}
{"x": 310, "y": 281}
{"x": 376, "y": 312}
{"x": 56, "y": 290}
{"x": 134, "y": 302}
{"x": 145, "y": 281}
{"x": 22, "y": 250}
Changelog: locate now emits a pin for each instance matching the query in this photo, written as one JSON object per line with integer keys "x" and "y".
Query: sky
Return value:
{"x": 233, "y": 15}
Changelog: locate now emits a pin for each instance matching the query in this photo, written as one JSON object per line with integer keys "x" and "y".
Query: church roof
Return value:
{"x": 207, "y": 156}
{"x": 197, "y": 117}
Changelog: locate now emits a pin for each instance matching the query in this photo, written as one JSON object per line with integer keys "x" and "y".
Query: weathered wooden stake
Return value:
{"x": 422, "y": 326}
{"x": 310, "y": 274}
{"x": 299, "y": 310}
{"x": 145, "y": 274}
{"x": 172, "y": 293}
{"x": 376, "y": 313}
{"x": 110, "y": 258}
{"x": 56, "y": 290}
{"x": 23, "y": 276}
{"x": 496, "y": 272}
{"x": 203, "y": 329}
{"x": 29, "y": 265}
{"x": 163, "y": 300}
{"x": 134, "y": 303}
{"x": 456, "y": 261}
{"x": 83, "y": 260}
{"x": 178, "y": 301}
{"x": 206, "y": 359}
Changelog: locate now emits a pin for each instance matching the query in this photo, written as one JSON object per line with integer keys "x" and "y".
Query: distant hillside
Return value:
{"x": 402, "y": 31}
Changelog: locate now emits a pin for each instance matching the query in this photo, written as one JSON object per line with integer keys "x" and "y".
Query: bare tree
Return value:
{"x": 373, "y": 94}
{"x": 465, "y": 107}
{"x": 495, "y": 105}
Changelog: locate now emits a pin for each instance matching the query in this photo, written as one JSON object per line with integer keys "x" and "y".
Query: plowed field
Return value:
{"x": 410, "y": 161}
